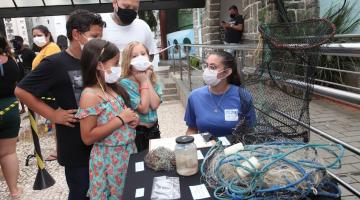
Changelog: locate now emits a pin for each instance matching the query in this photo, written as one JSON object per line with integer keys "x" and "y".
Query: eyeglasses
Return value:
{"x": 211, "y": 67}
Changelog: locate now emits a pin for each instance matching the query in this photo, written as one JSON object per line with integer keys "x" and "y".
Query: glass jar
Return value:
{"x": 186, "y": 156}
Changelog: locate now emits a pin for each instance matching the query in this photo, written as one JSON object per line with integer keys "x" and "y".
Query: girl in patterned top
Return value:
{"x": 139, "y": 79}
{"x": 105, "y": 120}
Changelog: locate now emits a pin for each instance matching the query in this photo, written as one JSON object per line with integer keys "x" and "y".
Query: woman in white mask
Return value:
{"x": 43, "y": 39}
{"x": 105, "y": 120}
{"x": 217, "y": 107}
{"x": 145, "y": 92}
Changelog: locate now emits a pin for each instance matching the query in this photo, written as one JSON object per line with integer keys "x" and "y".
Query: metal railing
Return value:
{"x": 342, "y": 50}
{"x": 325, "y": 50}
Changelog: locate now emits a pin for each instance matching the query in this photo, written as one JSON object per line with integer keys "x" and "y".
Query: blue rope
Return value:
{"x": 251, "y": 186}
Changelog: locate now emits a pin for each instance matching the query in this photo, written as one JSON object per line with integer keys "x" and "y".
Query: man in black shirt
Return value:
{"x": 234, "y": 28}
{"x": 60, "y": 74}
{"x": 24, "y": 58}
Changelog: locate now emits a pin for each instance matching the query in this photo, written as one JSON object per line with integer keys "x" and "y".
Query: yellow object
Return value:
{"x": 48, "y": 50}
{"x": 7, "y": 109}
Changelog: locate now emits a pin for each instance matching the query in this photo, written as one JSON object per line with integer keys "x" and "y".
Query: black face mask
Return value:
{"x": 232, "y": 15}
{"x": 127, "y": 16}
{"x": 17, "y": 46}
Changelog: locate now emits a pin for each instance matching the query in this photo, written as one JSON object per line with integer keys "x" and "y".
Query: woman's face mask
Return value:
{"x": 40, "y": 41}
{"x": 210, "y": 77}
{"x": 140, "y": 63}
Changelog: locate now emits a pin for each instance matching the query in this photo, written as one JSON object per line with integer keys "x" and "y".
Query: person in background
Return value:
{"x": 217, "y": 107}
{"x": 9, "y": 118}
{"x": 234, "y": 28}
{"x": 24, "y": 58}
{"x": 62, "y": 42}
{"x": 139, "y": 79}
{"x": 60, "y": 74}
{"x": 43, "y": 39}
{"x": 124, "y": 27}
{"x": 105, "y": 120}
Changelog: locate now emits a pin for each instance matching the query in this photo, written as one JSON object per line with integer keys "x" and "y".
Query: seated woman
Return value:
{"x": 217, "y": 107}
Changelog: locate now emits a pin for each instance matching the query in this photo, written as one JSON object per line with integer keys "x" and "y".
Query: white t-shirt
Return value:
{"x": 138, "y": 30}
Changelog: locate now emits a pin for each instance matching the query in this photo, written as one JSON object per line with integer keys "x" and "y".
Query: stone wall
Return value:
{"x": 257, "y": 12}
{"x": 254, "y": 12}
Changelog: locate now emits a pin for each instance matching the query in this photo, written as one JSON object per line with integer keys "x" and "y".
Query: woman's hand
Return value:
{"x": 128, "y": 115}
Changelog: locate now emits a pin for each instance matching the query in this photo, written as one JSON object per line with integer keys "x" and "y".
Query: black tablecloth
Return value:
{"x": 144, "y": 179}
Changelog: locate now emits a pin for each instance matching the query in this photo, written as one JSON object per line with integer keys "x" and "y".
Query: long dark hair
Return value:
{"x": 4, "y": 46}
{"x": 96, "y": 51}
{"x": 44, "y": 30}
{"x": 229, "y": 61}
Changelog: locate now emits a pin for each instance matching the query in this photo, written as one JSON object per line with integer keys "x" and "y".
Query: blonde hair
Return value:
{"x": 126, "y": 59}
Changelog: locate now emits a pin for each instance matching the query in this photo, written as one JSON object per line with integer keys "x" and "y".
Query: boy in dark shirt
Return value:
{"x": 60, "y": 74}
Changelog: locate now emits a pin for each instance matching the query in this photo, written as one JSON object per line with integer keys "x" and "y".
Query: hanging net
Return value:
{"x": 282, "y": 85}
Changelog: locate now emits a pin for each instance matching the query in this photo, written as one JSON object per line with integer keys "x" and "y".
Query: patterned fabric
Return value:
{"x": 132, "y": 88}
{"x": 109, "y": 157}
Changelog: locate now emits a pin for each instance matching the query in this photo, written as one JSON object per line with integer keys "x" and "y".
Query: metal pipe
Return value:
{"x": 189, "y": 70}
{"x": 338, "y": 84}
{"x": 338, "y": 94}
{"x": 322, "y": 133}
{"x": 345, "y": 184}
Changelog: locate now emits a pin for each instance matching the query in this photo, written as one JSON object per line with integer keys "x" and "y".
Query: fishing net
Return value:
{"x": 278, "y": 170}
{"x": 282, "y": 85}
{"x": 160, "y": 159}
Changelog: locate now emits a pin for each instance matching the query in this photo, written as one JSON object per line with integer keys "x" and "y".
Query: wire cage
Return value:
{"x": 282, "y": 85}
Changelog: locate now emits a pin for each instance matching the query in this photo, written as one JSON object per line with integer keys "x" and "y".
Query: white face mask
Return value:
{"x": 114, "y": 76}
{"x": 210, "y": 77}
{"x": 141, "y": 63}
{"x": 82, "y": 45}
{"x": 40, "y": 41}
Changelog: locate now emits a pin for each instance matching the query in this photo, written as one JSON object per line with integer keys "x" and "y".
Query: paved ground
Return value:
{"x": 340, "y": 121}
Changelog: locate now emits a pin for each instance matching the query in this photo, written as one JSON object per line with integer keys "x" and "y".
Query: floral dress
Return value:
{"x": 109, "y": 157}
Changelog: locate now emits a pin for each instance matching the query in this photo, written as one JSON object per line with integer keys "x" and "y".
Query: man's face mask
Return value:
{"x": 127, "y": 16}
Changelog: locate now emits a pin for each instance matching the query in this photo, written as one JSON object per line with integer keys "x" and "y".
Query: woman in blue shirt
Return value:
{"x": 217, "y": 107}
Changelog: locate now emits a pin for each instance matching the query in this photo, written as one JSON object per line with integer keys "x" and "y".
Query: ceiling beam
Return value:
{"x": 98, "y": 8}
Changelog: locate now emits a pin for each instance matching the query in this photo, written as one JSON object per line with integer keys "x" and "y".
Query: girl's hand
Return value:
{"x": 133, "y": 124}
{"x": 128, "y": 115}
{"x": 141, "y": 77}
{"x": 149, "y": 72}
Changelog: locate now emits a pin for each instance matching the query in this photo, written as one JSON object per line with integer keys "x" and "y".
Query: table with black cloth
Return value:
{"x": 144, "y": 179}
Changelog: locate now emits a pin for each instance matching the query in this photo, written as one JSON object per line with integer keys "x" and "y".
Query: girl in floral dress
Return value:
{"x": 105, "y": 120}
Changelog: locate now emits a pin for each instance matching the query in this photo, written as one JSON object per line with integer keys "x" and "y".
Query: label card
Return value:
{"x": 139, "y": 166}
{"x": 139, "y": 192}
{"x": 199, "y": 192}
{"x": 224, "y": 141}
{"x": 200, "y": 155}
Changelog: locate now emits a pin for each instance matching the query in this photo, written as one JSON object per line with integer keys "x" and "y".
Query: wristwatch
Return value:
{"x": 231, "y": 25}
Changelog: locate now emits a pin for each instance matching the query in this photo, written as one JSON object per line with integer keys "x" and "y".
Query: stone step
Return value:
{"x": 167, "y": 91}
{"x": 170, "y": 97}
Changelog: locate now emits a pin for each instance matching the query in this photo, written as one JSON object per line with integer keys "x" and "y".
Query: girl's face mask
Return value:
{"x": 210, "y": 77}
{"x": 113, "y": 76}
{"x": 141, "y": 63}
